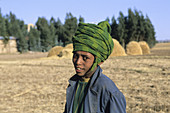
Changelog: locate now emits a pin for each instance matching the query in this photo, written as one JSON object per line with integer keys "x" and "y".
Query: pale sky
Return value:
{"x": 93, "y": 11}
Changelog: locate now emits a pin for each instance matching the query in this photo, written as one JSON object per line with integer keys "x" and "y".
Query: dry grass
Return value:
{"x": 32, "y": 84}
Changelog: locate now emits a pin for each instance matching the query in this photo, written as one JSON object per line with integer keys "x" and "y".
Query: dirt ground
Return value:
{"x": 31, "y": 83}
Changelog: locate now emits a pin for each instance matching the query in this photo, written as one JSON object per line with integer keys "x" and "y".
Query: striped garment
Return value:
{"x": 95, "y": 39}
{"x": 81, "y": 91}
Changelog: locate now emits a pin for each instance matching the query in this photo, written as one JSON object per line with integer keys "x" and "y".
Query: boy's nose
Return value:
{"x": 79, "y": 60}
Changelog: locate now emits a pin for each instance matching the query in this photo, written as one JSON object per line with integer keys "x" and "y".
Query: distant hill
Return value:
{"x": 163, "y": 41}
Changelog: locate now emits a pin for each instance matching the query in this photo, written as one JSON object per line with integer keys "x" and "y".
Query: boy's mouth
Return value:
{"x": 78, "y": 69}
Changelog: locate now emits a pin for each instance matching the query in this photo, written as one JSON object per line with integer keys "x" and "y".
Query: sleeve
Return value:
{"x": 116, "y": 103}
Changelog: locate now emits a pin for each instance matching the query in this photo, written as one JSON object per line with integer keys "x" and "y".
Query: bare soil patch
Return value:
{"x": 31, "y": 83}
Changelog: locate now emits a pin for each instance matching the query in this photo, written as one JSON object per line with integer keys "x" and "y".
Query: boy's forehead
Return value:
{"x": 82, "y": 53}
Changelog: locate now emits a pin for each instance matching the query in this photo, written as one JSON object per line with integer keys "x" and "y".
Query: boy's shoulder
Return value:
{"x": 106, "y": 83}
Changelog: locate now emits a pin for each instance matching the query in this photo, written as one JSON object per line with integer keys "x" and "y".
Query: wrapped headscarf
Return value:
{"x": 94, "y": 39}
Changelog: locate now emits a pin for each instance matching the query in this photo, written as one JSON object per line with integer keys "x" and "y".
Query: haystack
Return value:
{"x": 66, "y": 53}
{"x": 69, "y": 46}
{"x": 145, "y": 48}
{"x": 55, "y": 51}
{"x": 133, "y": 48}
{"x": 118, "y": 50}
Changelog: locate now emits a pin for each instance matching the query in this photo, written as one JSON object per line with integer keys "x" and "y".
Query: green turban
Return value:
{"x": 94, "y": 39}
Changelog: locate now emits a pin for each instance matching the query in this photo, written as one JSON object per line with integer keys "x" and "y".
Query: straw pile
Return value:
{"x": 55, "y": 51}
{"x": 145, "y": 48}
{"x": 69, "y": 46}
{"x": 133, "y": 48}
{"x": 66, "y": 53}
{"x": 61, "y": 52}
{"x": 118, "y": 50}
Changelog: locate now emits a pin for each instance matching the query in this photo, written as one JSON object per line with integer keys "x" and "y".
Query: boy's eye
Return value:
{"x": 85, "y": 58}
{"x": 75, "y": 55}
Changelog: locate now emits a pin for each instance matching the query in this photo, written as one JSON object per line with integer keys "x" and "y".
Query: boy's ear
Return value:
{"x": 100, "y": 63}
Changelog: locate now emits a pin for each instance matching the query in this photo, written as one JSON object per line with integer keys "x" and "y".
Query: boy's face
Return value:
{"x": 82, "y": 63}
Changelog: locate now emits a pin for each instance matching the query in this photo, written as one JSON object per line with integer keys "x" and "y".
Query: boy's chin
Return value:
{"x": 81, "y": 75}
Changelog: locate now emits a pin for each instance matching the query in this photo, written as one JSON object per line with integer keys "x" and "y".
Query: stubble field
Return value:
{"x": 31, "y": 83}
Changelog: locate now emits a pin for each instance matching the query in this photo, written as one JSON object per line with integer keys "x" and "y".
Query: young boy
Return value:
{"x": 89, "y": 90}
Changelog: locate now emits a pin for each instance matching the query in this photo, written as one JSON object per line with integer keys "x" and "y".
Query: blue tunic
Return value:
{"x": 102, "y": 97}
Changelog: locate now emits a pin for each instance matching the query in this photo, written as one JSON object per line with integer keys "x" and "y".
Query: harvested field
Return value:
{"x": 161, "y": 49}
{"x": 30, "y": 83}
